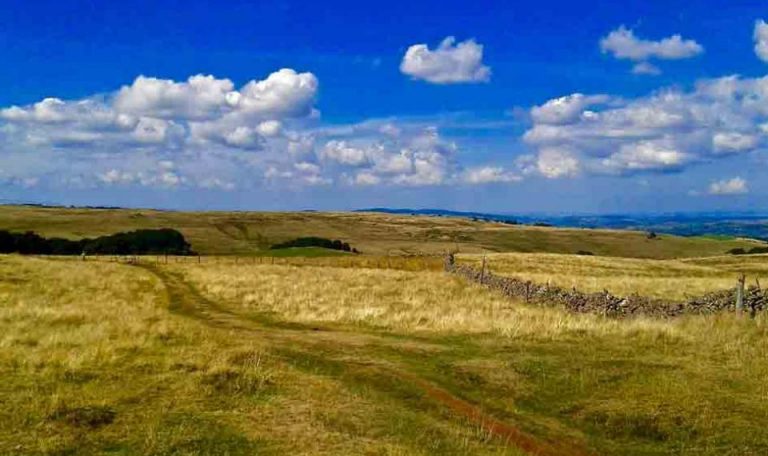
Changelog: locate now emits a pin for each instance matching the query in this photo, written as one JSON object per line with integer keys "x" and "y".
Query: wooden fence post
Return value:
{"x": 482, "y": 271}
{"x": 740, "y": 294}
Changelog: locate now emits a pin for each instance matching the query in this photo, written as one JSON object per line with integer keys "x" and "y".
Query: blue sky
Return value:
{"x": 547, "y": 106}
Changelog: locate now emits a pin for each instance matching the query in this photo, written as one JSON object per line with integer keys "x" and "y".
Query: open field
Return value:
{"x": 249, "y": 233}
{"x": 668, "y": 279}
{"x": 242, "y": 358}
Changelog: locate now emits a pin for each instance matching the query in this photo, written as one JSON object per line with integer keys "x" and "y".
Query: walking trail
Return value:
{"x": 184, "y": 299}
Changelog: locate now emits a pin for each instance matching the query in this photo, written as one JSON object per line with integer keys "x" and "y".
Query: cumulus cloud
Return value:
{"x": 449, "y": 63}
{"x": 488, "y": 175}
{"x": 368, "y": 154}
{"x": 662, "y": 132}
{"x": 646, "y": 68}
{"x": 734, "y": 142}
{"x": 761, "y": 40}
{"x": 344, "y": 153}
{"x": 556, "y": 162}
{"x": 734, "y": 186}
{"x": 565, "y": 109}
{"x": 623, "y": 44}
{"x": 204, "y": 119}
{"x": 366, "y": 178}
{"x": 645, "y": 156}
{"x": 284, "y": 93}
{"x": 157, "y": 178}
{"x": 199, "y": 97}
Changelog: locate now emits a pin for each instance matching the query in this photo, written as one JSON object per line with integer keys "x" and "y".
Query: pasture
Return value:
{"x": 673, "y": 279}
{"x": 360, "y": 355}
{"x": 252, "y": 233}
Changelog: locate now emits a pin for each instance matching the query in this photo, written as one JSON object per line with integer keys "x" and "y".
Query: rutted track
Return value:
{"x": 184, "y": 299}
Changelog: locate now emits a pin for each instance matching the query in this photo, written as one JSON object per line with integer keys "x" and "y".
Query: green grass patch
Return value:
{"x": 309, "y": 252}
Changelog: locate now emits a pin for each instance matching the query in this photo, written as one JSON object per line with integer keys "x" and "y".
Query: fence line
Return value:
{"x": 753, "y": 298}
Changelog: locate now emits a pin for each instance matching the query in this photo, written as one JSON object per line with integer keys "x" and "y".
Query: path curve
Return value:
{"x": 184, "y": 298}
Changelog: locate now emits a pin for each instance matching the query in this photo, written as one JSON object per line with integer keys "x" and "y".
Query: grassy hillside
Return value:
{"x": 669, "y": 279}
{"x": 241, "y": 358}
{"x": 246, "y": 233}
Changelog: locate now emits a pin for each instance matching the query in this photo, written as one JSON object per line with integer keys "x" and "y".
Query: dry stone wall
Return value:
{"x": 755, "y": 299}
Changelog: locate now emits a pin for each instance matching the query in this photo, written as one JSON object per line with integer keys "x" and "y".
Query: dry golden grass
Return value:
{"x": 92, "y": 362}
{"x": 404, "y": 301}
{"x": 692, "y": 385}
{"x": 247, "y": 374}
{"x": 248, "y": 233}
{"x": 669, "y": 279}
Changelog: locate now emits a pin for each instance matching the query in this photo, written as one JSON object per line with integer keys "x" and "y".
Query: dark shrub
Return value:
{"x": 139, "y": 242}
{"x": 7, "y": 242}
{"x": 737, "y": 251}
{"x": 315, "y": 242}
{"x": 584, "y": 252}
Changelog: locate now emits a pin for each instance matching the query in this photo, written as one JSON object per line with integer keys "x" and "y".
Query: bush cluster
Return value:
{"x": 752, "y": 251}
{"x": 139, "y": 242}
{"x": 315, "y": 242}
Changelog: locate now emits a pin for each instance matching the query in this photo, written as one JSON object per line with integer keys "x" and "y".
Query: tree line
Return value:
{"x": 139, "y": 242}
{"x": 752, "y": 251}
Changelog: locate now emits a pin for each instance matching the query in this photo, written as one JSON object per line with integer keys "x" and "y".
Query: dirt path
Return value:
{"x": 183, "y": 298}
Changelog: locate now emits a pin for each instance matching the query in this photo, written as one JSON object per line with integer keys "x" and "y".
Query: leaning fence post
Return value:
{"x": 740, "y": 294}
{"x": 482, "y": 271}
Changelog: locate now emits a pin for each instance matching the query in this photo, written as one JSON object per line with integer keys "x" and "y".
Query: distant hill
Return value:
{"x": 748, "y": 225}
{"x": 253, "y": 233}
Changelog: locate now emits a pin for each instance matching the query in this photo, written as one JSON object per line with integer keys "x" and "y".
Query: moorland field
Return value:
{"x": 249, "y": 233}
{"x": 306, "y": 351}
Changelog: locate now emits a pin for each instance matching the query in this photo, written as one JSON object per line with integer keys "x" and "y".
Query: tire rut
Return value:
{"x": 183, "y": 298}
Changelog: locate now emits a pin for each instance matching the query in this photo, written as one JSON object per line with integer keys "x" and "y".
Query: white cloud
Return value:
{"x": 735, "y": 186}
{"x": 489, "y": 174}
{"x": 665, "y": 131}
{"x": 450, "y": 63}
{"x": 645, "y": 156}
{"x": 285, "y": 93}
{"x": 200, "y": 97}
{"x": 270, "y": 128}
{"x": 761, "y": 40}
{"x": 152, "y": 130}
{"x": 393, "y": 163}
{"x": 307, "y": 168}
{"x": 50, "y": 110}
{"x": 367, "y": 178}
{"x": 156, "y": 177}
{"x": 554, "y": 163}
{"x": 243, "y": 137}
{"x": 204, "y": 121}
{"x": 565, "y": 109}
{"x": 623, "y": 44}
{"x": 114, "y": 176}
{"x": 731, "y": 142}
{"x": 646, "y": 68}
{"x": 215, "y": 183}
{"x": 344, "y": 153}
{"x": 416, "y": 156}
